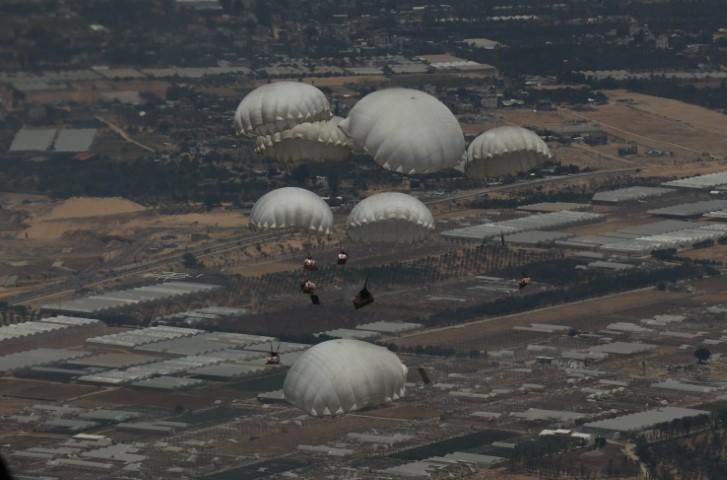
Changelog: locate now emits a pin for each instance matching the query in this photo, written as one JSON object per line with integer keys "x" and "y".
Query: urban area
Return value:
{"x": 363, "y": 239}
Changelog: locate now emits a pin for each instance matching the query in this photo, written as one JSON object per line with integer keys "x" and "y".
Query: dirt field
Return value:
{"x": 696, "y": 136}
{"x": 660, "y": 123}
{"x": 40, "y": 390}
{"x": 118, "y": 217}
{"x": 81, "y": 207}
{"x": 717, "y": 253}
{"x": 694, "y": 116}
{"x": 471, "y": 334}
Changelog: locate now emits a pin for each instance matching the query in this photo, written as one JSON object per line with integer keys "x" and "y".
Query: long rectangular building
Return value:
{"x": 646, "y": 420}
{"x": 700, "y": 182}
{"x": 629, "y": 194}
{"x": 686, "y": 210}
{"x": 545, "y": 221}
{"x": 118, "y": 299}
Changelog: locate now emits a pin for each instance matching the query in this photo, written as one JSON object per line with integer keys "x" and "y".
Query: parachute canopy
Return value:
{"x": 291, "y": 207}
{"x": 307, "y": 141}
{"x": 278, "y": 106}
{"x": 405, "y": 130}
{"x": 341, "y": 376}
{"x": 505, "y": 151}
{"x": 390, "y": 217}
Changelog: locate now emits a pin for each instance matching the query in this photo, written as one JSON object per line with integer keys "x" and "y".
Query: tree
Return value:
{"x": 702, "y": 354}
{"x": 190, "y": 261}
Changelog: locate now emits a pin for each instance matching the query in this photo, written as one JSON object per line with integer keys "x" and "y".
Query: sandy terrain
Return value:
{"x": 81, "y": 207}
{"x": 39, "y": 390}
{"x": 717, "y": 253}
{"x": 696, "y": 136}
{"x": 691, "y": 115}
{"x": 211, "y": 219}
{"x": 117, "y": 216}
{"x": 659, "y": 123}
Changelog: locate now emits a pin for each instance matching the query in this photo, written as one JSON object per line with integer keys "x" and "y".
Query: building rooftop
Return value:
{"x": 142, "y": 336}
{"x": 39, "y": 356}
{"x": 125, "y": 298}
{"x": 623, "y": 348}
{"x": 74, "y": 139}
{"x": 69, "y": 425}
{"x": 390, "y": 327}
{"x": 546, "y": 207}
{"x": 484, "y": 43}
{"x": 33, "y": 140}
{"x": 693, "y": 209}
{"x": 683, "y": 387}
{"x": 206, "y": 342}
{"x": 351, "y": 333}
{"x": 630, "y": 194}
{"x": 536, "y": 237}
{"x": 700, "y": 182}
{"x": 645, "y": 420}
{"x": 535, "y": 414}
{"x": 104, "y": 415}
{"x": 168, "y": 383}
{"x": 544, "y": 221}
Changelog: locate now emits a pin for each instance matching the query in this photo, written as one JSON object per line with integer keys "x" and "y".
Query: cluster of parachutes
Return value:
{"x": 388, "y": 217}
{"x": 404, "y": 130}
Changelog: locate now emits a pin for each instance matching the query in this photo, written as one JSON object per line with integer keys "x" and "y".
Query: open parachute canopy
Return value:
{"x": 505, "y": 151}
{"x": 406, "y": 131}
{"x": 319, "y": 141}
{"x": 278, "y": 106}
{"x": 390, "y": 217}
{"x": 341, "y": 376}
{"x": 291, "y": 207}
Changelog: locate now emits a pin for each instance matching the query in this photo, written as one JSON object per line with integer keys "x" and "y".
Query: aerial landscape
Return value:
{"x": 363, "y": 239}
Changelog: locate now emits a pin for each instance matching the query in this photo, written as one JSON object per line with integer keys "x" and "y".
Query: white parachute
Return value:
{"x": 505, "y": 151}
{"x": 390, "y": 217}
{"x": 341, "y": 376}
{"x": 278, "y": 106}
{"x": 307, "y": 141}
{"x": 406, "y": 130}
{"x": 291, "y": 207}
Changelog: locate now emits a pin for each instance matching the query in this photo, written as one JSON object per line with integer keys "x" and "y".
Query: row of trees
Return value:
{"x": 687, "y": 449}
{"x": 559, "y": 457}
{"x": 707, "y": 96}
{"x": 598, "y": 285}
{"x": 427, "y": 270}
